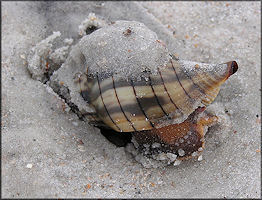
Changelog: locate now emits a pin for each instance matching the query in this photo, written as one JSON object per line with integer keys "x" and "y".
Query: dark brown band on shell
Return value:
{"x": 124, "y": 83}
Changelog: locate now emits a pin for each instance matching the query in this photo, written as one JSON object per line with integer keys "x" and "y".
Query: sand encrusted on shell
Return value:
{"x": 191, "y": 67}
{"x": 124, "y": 49}
{"x": 92, "y": 22}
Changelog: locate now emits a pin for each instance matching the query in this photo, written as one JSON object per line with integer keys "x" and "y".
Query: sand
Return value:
{"x": 47, "y": 152}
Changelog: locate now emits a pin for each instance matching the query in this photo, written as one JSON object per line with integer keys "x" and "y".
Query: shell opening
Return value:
{"x": 187, "y": 136}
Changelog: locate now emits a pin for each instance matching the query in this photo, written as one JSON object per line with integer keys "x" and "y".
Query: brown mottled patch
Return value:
{"x": 127, "y": 32}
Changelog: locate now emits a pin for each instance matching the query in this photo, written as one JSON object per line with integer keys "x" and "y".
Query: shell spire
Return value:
{"x": 208, "y": 77}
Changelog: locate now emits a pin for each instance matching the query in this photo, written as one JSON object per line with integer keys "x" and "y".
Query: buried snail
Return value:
{"x": 136, "y": 86}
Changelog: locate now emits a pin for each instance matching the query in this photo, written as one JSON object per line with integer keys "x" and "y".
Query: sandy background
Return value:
{"x": 42, "y": 155}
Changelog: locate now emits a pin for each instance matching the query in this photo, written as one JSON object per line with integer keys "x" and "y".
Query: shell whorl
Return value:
{"x": 170, "y": 96}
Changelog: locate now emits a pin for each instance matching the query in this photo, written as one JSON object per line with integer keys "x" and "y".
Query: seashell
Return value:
{"x": 142, "y": 89}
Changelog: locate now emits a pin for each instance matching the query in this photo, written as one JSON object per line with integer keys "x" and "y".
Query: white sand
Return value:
{"x": 49, "y": 152}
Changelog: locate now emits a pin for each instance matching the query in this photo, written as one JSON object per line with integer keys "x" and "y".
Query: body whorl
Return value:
{"x": 168, "y": 97}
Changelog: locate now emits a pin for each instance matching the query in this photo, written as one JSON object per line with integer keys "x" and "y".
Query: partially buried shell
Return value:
{"x": 135, "y": 85}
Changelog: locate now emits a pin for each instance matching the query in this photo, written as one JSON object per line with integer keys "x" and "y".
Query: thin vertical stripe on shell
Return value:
{"x": 179, "y": 80}
{"x": 121, "y": 105}
{"x": 195, "y": 84}
{"x": 199, "y": 87}
{"x": 140, "y": 104}
{"x": 150, "y": 82}
{"x": 206, "y": 83}
{"x": 167, "y": 91}
{"x": 104, "y": 104}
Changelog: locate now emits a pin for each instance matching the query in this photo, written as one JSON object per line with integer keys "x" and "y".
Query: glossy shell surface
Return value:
{"x": 170, "y": 96}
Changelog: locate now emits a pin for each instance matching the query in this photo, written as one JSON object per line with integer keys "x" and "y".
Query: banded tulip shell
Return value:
{"x": 164, "y": 103}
